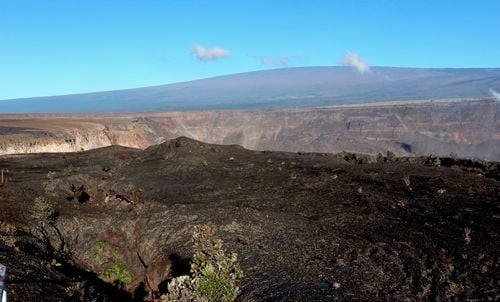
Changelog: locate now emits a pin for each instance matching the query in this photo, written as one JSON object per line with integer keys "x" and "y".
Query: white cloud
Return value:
{"x": 354, "y": 60}
{"x": 205, "y": 54}
{"x": 495, "y": 94}
{"x": 275, "y": 61}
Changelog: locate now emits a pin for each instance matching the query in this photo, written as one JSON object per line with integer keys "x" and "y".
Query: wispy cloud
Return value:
{"x": 205, "y": 54}
{"x": 354, "y": 60}
{"x": 495, "y": 94}
{"x": 275, "y": 61}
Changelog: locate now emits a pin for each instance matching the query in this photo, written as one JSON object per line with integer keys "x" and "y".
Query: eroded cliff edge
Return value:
{"x": 468, "y": 128}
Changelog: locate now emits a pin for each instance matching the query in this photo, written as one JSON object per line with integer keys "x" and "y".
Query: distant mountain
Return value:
{"x": 279, "y": 88}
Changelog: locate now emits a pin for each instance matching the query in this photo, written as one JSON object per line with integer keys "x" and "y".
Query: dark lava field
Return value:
{"x": 306, "y": 226}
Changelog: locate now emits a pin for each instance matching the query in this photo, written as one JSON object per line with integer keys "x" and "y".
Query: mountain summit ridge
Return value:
{"x": 295, "y": 87}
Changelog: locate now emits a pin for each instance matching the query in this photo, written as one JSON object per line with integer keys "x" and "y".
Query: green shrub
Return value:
{"x": 380, "y": 158}
{"x": 101, "y": 245}
{"x": 340, "y": 154}
{"x": 116, "y": 274}
{"x": 214, "y": 270}
{"x": 42, "y": 211}
{"x": 214, "y": 287}
{"x": 391, "y": 156}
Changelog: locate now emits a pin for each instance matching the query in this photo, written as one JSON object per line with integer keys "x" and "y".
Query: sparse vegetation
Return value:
{"x": 50, "y": 184}
{"x": 214, "y": 272}
{"x": 43, "y": 227}
{"x": 380, "y": 158}
{"x": 180, "y": 289}
{"x": 340, "y": 154}
{"x": 114, "y": 273}
{"x": 42, "y": 211}
{"x": 391, "y": 156}
{"x": 7, "y": 234}
{"x": 357, "y": 158}
{"x": 433, "y": 161}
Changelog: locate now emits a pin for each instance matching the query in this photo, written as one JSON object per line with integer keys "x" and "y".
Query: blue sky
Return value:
{"x": 52, "y": 47}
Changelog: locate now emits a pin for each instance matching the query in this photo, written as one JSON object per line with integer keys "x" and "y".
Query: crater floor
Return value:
{"x": 306, "y": 226}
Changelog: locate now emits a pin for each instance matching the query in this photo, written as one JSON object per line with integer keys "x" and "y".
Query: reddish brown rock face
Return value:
{"x": 158, "y": 272}
{"x": 465, "y": 128}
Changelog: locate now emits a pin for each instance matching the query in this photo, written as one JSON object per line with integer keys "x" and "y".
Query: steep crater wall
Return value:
{"x": 464, "y": 128}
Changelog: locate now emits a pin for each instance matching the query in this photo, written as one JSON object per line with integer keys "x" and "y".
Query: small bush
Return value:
{"x": 214, "y": 287}
{"x": 42, "y": 212}
{"x": 50, "y": 185}
{"x": 391, "y": 156}
{"x": 116, "y": 274}
{"x": 180, "y": 289}
{"x": 433, "y": 161}
{"x": 43, "y": 228}
{"x": 101, "y": 245}
{"x": 380, "y": 158}
{"x": 340, "y": 154}
{"x": 8, "y": 240}
{"x": 214, "y": 270}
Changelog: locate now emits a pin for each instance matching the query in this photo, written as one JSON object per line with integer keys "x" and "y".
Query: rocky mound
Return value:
{"x": 306, "y": 227}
